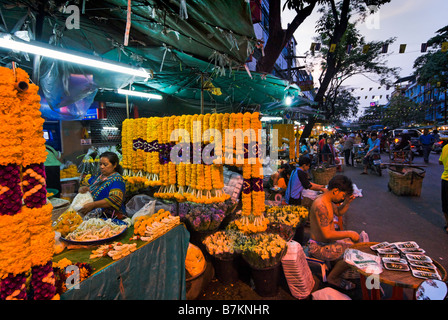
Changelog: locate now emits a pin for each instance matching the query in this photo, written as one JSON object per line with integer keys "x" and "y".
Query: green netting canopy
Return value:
{"x": 197, "y": 54}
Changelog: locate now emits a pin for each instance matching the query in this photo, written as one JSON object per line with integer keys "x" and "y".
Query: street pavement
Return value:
{"x": 388, "y": 217}
{"x": 384, "y": 216}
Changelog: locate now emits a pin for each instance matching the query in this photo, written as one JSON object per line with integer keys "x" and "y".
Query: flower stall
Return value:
{"x": 34, "y": 264}
{"x": 183, "y": 157}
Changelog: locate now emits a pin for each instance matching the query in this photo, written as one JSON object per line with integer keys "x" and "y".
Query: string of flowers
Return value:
{"x": 153, "y": 152}
{"x": 126, "y": 146}
{"x": 253, "y": 197}
{"x": 39, "y": 217}
{"x": 139, "y": 136}
{"x": 168, "y": 188}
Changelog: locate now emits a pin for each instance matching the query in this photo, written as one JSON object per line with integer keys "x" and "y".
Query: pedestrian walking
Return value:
{"x": 443, "y": 160}
{"x": 348, "y": 146}
{"x": 427, "y": 140}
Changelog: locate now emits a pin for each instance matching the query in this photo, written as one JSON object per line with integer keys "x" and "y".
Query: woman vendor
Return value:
{"x": 273, "y": 179}
{"x": 107, "y": 189}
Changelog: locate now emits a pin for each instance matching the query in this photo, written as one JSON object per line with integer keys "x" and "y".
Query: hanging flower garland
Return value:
{"x": 27, "y": 238}
{"x": 139, "y": 139}
{"x": 253, "y": 197}
{"x": 197, "y": 182}
{"x": 125, "y": 146}
{"x": 153, "y": 151}
{"x": 168, "y": 188}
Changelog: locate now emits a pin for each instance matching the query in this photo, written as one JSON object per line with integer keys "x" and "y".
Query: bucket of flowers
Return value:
{"x": 263, "y": 252}
{"x": 220, "y": 245}
{"x": 205, "y": 218}
{"x": 284, "y": 220}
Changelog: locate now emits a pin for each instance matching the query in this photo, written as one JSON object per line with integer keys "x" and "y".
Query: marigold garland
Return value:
{"x": 197, "y": 182}
{"x": 27, "y": 238}
{"x": 253, "y": 197}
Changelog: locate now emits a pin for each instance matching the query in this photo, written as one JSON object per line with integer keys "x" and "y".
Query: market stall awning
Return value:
{"x": 183, "y": 77}
{"x": 196, "y": 62}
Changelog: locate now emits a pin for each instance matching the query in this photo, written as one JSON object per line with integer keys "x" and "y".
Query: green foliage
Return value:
{"x": 342, "y": 64}
{"x": 432, "y": 67}
{"x": 402, "y": 111}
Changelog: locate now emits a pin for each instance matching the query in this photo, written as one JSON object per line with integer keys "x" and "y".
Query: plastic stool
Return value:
{"x": 324, "y": 265}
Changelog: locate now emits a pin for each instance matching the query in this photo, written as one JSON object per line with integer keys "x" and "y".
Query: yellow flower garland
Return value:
{"x": 125, "y": 162}
{"x": 253, "y": 204}
{"x": 193, "y": 182}
{"x": 11, "y": 149}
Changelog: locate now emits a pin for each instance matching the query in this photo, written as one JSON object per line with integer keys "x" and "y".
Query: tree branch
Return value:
{"x": 298, "y": 19}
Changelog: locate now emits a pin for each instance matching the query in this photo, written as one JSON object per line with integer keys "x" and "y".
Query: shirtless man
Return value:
{"x": 326, "y": 243}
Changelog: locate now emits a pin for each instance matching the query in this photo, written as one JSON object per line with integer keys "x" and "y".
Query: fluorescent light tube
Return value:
{"x": 110, "y": 128}
{"x": 140, "y": 94}
{"x": 264, "y": 119}
{"x": 45, "y": 50}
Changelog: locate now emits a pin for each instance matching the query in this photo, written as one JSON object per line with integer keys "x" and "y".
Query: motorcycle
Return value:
{"x": 431, "y": 290}
{"x": 374, "y": 162}
{"x": 415, "y": 146}
{"x": 437, "y": 146}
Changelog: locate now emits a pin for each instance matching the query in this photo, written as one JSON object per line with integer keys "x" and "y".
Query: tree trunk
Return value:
{"x": 340, "y": 28}
{"x": 278, "y": 37}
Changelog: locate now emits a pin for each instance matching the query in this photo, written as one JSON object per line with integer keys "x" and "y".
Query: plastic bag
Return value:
{"x": 329, "y": 294}
{"x": 367, "y": 262}
{"x": 136, "y": 203}
{"x": 147, "y": 210}
{"x": 59, "y": 246}
{"x": 194, "y": 261}
{"x": 80, "y": 200}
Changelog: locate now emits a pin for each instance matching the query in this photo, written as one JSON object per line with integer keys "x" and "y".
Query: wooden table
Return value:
{"x": 397, "y": 279}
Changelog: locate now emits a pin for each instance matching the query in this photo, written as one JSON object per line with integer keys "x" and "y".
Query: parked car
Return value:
{"x": 394, "y": 138}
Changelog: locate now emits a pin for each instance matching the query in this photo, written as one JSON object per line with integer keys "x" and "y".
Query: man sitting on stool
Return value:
{"x": 325, "y": 242}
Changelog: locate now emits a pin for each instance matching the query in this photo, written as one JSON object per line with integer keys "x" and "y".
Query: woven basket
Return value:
{"x": 323, "y": 177}
{"x": 407, "y": 183}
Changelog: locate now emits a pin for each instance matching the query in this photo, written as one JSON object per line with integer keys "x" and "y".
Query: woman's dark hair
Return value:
{"x": 285, "y": 173}
{"x": 304, "y": 160}
{"x": 343, "y": 183}
{"x": 113, "y": 158}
